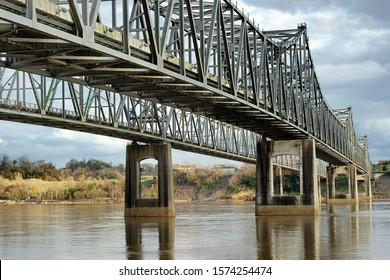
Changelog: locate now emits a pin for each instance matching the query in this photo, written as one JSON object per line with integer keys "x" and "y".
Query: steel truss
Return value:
{"x": 29, "y": 98}
{"x": 205, "y": 57}
{"x": 26, "y": 97}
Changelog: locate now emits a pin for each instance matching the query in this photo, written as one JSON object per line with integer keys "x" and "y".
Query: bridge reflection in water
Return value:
{"x": 334, "y": 235}
{"x": 136, "y": 227}
{"x": 339, "y": 233}
{"x": 281, "y": 237}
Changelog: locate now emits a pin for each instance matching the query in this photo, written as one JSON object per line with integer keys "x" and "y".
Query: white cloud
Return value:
{"x": 32, "y": 136}
{"x": 335, "y": 32}
{"x": 64, "y": 134}
{"x": 109, "y": 142}
{"x": 92, "y": 142}
{"x": 349, "y": 73}
{"x": 378, "y": 125}
{"x": 378, "y": 138}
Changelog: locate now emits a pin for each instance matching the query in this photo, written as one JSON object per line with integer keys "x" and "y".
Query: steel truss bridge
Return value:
{"x": 199, "y": 74}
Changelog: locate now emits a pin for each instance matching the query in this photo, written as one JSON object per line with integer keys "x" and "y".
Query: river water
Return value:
{"x": 202, "y": 231}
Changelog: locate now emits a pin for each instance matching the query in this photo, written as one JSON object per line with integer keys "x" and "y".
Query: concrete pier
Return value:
{"x": 278, "y": 180}
{"x": 367, "y": 195}
{"x": 352, "y": 196}
{"x": 164, "y": 205}
{"x": 267, "y": 203}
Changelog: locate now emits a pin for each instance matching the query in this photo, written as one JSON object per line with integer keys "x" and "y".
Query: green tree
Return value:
{"x": 291, "y": 181}
{"x": 47, "y": 171}
{"x": 243, "y": 179}
{"x": 26, "y": 167}
{"x": 73, "y": 164}
{"x": 7, "y": 169}
{"x": 95, "y": 165}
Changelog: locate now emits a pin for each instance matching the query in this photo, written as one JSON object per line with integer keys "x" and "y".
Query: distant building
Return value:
{"x": 382, "y": 166}
{"x": 184, "y": 167}
{"x": 226, "y": 168}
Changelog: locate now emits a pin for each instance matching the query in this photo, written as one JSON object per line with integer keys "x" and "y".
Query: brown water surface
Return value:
{"x": 209, "y": 230}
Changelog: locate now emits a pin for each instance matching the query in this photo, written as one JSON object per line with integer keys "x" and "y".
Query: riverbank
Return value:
{"x": 65, "y": 202}
{"x": 70, "y": 191}
{"x": 381, "y": 186}
{"x": 180, "y": 197}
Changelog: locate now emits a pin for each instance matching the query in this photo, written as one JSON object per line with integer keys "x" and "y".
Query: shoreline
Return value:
{"x": 116, "y": 201}
{"x": 99, "y": 201}
{"x": 59, "y": 202}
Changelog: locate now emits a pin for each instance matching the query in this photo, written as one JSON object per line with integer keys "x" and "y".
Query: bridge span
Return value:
{"x": 199, "y": 75}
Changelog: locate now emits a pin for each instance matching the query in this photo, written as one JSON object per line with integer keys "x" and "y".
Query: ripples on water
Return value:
{"x": 213, "y": 230}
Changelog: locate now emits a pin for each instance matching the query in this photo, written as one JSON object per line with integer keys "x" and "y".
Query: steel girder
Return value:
{"x": 202, "y": 56}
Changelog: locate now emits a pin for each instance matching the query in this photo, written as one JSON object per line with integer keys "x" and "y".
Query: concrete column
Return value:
{"x": 278, "y": 179}
{"x": 331, "y": 182}
{"x": 165, "y": 175}
{"x": 366, "y": 193}
{"x": 352, "y": 181}
{"x": 270, "y": 178}
{"x": 309, "y": 170}
{"x": 134, "y": 204}
{"x": 368, "y": 187}
{"x": 264, "y": 183}
{"x": 319, "y": 187}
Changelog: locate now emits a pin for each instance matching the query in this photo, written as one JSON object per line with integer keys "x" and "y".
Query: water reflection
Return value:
{"x": 288, "y": 237}
{"x": 200, "y": 231}
{"x": 162, "y": 229}
{"x": 349, "y": 226}
{"x": 338, "y": 234}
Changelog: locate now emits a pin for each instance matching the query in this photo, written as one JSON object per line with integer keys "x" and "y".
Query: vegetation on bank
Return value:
{"x": 23, "y": 179}
{"x": 70, "y": 190}
{"x": 382, "y": 166}
{"x": 381, "y": 186}
{"x": 95, "y": 180}
{"x": 217, "y": 183}
{"x": 24, "y": 168}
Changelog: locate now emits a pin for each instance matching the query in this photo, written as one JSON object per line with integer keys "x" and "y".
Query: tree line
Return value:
{"x": 39, "y": 169}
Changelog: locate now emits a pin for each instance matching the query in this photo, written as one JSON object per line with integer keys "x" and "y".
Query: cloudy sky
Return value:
{"x": 350, "y": 44}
